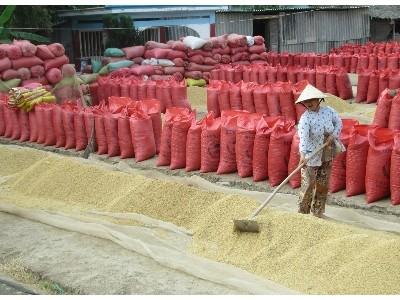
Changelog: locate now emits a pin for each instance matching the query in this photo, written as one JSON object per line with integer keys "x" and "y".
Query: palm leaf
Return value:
{"x": 29, "y": 36}
{"x": 6, "y": 14}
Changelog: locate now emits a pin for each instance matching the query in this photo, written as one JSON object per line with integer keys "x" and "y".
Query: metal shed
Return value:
{"x": 302, "y": 29}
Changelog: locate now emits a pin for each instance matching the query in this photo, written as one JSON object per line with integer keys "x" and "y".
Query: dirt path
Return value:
{"x": 82, "y": 264}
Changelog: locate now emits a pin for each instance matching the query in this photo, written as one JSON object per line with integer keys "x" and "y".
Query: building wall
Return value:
{"x": 240, "y": 23}
{"x": 319, "y": 31}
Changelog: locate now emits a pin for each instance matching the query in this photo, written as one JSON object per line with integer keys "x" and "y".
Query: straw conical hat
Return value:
{"x": 310, "y": 92}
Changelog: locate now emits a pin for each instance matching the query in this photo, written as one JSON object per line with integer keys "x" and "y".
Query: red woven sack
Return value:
{"x": 212, "y": 97}
{"x": 272, "y": 74}
{"x": 286, "y": 101}
{"x": 337, "y": 181}
{"x": 245, "y": 135}
{"x": 111, "y": 130}
{"x": 50, "y": 139}
{"x": 274, "y": 108}
{"x": 33, "y": 132}
{"x": 23, "y": 125}
{"x": 81, "y": 139}
{"x": 210, "y": 144}
{"x": 193, "y": 146}
{"x": 51, "y": 63}
{"x": 253, "y": 73}
{"x": 310, "y": 76}
{"x": 343, "y": 85}
{"x": 279, "y": 151}
{"x": 264, "y": 129}
{"x": 393, "y": 61}
{"x": 362, "y": 86}
{"x": 382, "y": 112}
{"x": 68, "y": 124}
{"x": 2, "y": 119}
{"x": 394, "y": 115}
{"x": 153, "y": 109}
{"x": 247, "y": 94}
{"x": 223, "y": 97}
{"x": 260, "y": 93}
{"x": 281, "y": 74}
{"x": 41, "y": 138}
{"x": 373, "y": 87}
{"x": 88, "y": 117}
{"x": 377, "y": 178}
{"x": 356, "y": 160}
{"x": 163, "y": 93}
{"x": 101, "y": 138}
{"x": 294, "y": 159}
{"x": 179, "y": 94}
{"x": 383, "y": 81}
{"x": 227, "y": 162}
{"x": 58, "y": 126}
{"x": 142, "y": 136}
{"x": 179, "y": 133}
{"x": 331, "y": 82}
{"x": 394, "y": 80}
{"x": 394, "y": 171}
{"x": 164, "y": 157}
{"x": 235, "y": 98}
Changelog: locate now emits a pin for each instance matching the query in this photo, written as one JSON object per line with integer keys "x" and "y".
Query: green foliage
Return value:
{"x": 121, "y": 32}
{"x": 9, "y": 20}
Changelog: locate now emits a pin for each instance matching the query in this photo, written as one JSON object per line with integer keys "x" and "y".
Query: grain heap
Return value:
{"x": 304, "y": 253}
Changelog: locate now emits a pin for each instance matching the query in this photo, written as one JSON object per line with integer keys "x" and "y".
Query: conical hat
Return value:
{"x": 310, "y": 92}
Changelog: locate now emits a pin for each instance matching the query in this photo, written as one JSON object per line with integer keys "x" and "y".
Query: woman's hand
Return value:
{"x": 329, "y": 140}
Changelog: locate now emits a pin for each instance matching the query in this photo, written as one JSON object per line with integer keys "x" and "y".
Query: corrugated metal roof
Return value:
{"x": 385, "y": 11}
{"x": 300, "y": 8}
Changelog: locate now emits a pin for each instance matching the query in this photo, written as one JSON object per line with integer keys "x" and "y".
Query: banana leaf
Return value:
{"x": 6, "y": 14}
{"x": 29, "y": 36}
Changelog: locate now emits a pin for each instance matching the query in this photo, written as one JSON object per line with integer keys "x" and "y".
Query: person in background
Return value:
{"x": 317, "y": 125}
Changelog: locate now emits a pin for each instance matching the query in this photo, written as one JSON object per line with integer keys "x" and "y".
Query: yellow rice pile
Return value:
{"x": 302, "y": 252}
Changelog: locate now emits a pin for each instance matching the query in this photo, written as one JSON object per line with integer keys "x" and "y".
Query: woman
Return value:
{"x": 317, "y": 125}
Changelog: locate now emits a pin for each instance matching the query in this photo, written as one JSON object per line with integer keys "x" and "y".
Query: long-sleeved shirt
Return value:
{"x": 313, "y": 127}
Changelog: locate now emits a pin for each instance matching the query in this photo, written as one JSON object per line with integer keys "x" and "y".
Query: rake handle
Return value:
{"x": 285, "y": 181}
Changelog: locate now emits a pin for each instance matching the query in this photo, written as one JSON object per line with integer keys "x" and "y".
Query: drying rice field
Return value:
{"x": 303, "y": 253}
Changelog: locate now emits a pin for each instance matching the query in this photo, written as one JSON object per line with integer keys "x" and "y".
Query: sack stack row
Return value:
{"x": 387, "y": 114}
{"x": 328, "y": 79}
{"x": 251, "y": 144}
{"x": 189, "y": 57}
{"x": 352, "y": 63}
{"x": 168, "y": 92}
{"x": 121, "y": 127}
{"x": 370, "y": 163}
{"x": 270, "y": 99}
{"x": 248, "y": 143}
{"x": 369, "y": 48}
{"x": 254, "y": 145}
{"x": 372, "y": 83}
{"x": 22, "y": 63}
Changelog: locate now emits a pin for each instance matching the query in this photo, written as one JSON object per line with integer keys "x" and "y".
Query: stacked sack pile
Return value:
{"x": 22, "y": 63}
{"x": 329, "y": 79}
{"x": 189, "y": 57}
{"x": 121, "y": 127}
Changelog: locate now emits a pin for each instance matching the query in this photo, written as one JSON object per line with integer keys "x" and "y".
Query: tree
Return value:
{"x": 7, "y": 33}
{"x": 38, "y": 20}
{"x": 121, "y": 32}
